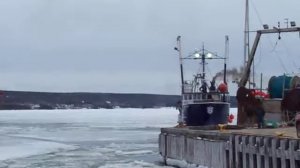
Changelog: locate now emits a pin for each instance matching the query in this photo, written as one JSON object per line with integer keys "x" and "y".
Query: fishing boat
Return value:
{"x": 203, "y": 102}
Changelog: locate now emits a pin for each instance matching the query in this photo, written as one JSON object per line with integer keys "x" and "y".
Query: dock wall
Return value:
{"x": 229, "y": 150}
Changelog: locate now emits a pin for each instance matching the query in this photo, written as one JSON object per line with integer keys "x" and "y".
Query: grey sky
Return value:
{"x": 127, "y": 45}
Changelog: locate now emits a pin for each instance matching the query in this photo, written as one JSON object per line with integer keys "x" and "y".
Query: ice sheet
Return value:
{"x": 15, "y": 148}
{"x": 83, "y": 138}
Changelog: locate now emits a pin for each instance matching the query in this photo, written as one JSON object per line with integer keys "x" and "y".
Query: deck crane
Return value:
{"x": 246, "y": 72}
{"x": 250, "y": 108}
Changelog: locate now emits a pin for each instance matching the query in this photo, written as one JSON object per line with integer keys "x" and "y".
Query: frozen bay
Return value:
{"x": 102, "y": 138}
{"x": 82, "y": 138}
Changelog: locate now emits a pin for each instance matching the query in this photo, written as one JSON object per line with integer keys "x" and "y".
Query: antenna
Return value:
{"x": 279, "y": 37}
{"x": 287, "y": 22}
{"x": 226, "y": 57}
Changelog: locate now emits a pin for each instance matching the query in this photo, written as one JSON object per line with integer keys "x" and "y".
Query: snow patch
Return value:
{"x": 136, "y": 152}
{"x": 183, "y": 164}
{"x": 134, "y": 164}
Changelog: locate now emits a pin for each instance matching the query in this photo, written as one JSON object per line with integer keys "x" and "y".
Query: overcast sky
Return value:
{"x": 127, "y": 45}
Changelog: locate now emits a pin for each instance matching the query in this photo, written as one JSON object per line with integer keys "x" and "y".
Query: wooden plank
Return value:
{"x": 218, "y": 150}
{"x": 292, "y": 148}
{"x": 196, "y": 151}
{"x": 244, "y": 146}
{"x": 190, "y": 150}
{"x": 163, "y": 147}
{"x": 199, "y": 152}
{"x": 251, "y": 152}
{"x": 166, "y": 148}
{"x": 297, "y": 151}
{"x": 267, "y": 144}
{"x": 179, "y": 147}
{"x": 227, "y": 158}
{"x": 222, "y": 155}
{"x": 232, "y": 151}
{"x": 160, "y": 144}
{"x": 283, "y": 147}
{"x": 238, "y": 163}
{"x": 207, "y": 152}
{"x": 164, "y": 144}
{"x": 274, "y": 156}
{"x": 258, "y": 156}
{"x": 185, "y": 151}
{"x": 167, "y": 145}
{"x": 225, "y": 150}
{"x": 170, "y": 146}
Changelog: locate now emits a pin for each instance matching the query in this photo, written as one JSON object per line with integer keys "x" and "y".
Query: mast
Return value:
{"x": 203, "y": 62}
{"x": 178, "y": 48}
{"x": 246, "y": 37}
{"x": 226, "y": 57}
{"x": 246, "y": 34}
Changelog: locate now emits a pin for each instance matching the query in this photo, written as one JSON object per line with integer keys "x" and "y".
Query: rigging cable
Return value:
{"x": 260, "y": 56}
{"x": 279, "y": 59}
{"x": 256, "y": 12}
{"x": 268, "y": 37}
{"x": 275, "y": 46}
{"x": 289, "y": 54}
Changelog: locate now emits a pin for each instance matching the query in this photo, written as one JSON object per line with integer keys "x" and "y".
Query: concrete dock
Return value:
{"x": 230, "y": 148}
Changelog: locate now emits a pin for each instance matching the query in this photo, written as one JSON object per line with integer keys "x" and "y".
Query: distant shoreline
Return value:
{"x": 22, "y": 100}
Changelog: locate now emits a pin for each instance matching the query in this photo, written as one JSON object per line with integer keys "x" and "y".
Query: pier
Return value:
{"x": 230, "y": 148}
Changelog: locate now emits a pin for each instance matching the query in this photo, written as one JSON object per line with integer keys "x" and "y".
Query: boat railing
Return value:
{"x": 204, "y": 97}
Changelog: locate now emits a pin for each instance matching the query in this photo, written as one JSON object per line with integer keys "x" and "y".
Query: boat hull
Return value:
{"x": 208, "y": 113}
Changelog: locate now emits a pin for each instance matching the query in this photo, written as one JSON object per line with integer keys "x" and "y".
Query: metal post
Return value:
{"x": 203, "y": 62}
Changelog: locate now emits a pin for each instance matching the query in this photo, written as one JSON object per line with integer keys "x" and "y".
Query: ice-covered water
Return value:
{"x": 104, "y": 138}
